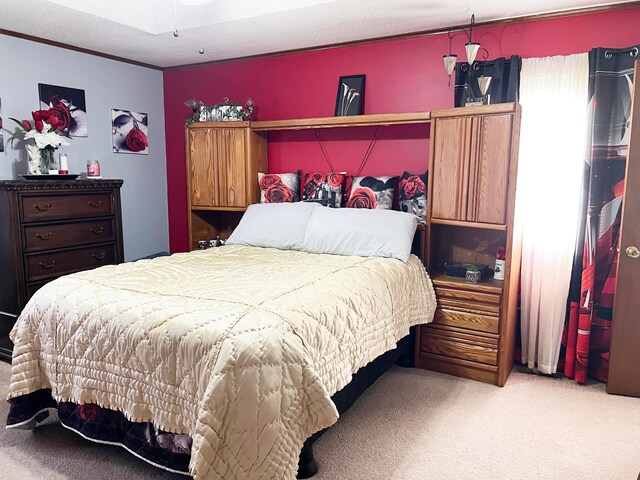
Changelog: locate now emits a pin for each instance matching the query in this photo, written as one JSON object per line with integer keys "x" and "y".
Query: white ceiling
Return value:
{"x": 142, "y": 30}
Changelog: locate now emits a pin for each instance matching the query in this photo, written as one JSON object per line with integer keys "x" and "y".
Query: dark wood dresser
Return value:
{"x": 49, "y": 228}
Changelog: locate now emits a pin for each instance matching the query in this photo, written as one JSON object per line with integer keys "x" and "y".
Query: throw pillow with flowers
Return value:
{"x": 412, "y": 195}
{"x": 279, "y": 187}
{"x": 372, "y": 192}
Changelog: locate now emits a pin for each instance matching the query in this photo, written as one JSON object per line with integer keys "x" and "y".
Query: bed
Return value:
{"x": 225, "y": 358}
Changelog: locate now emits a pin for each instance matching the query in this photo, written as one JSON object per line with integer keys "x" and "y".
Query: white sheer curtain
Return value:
{"x": 553, "y": 95}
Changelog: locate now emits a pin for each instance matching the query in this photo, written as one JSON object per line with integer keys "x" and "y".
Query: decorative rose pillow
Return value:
{"x": 412, "y": 194}
{"x": 279, "y": 187}
{"x": 372, "y": 192}
{"x": 323, "y": 186}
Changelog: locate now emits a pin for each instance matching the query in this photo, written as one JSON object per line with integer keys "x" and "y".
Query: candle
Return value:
{"x": 64, "y": 162}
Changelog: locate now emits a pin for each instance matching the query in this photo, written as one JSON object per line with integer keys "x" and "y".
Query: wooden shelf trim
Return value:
{"x": 381, "y": 119}
{"x": 496, "y": 108}
{"x": 231, "y": 124}
{"x": 196, "y": 208}
{"x": 460, "y": 223}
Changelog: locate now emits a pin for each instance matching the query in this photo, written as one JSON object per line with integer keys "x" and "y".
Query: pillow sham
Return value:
{"x": 275, "y": 225}
{"x": 412, "y": 195}
{"x": 361, "y": 232}
{"x": 323, "y": 186}
{"x": 372, "y": 192}
{"x": 279, "y": 187}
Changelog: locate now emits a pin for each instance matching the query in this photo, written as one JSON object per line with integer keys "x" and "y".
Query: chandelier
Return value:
{"x": 471, "y": 48}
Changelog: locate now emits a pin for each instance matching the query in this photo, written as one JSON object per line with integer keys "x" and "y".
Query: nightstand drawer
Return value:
{"x": 47, "y": 265}
{"x": 47, "y": 237}
{"x": 36, "y": 208}
{"x": 469, "y": 320}
{"x": 468, "y": 295}
{"x": 450, "y": 343}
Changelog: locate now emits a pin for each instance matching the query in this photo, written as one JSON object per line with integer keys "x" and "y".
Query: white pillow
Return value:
{"x": 276, "y": 225}
{"x": 361, "y": 232}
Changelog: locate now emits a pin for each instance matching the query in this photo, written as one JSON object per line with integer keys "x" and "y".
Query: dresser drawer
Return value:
{"x": 47, "y": 237}
{"x": 48, "y": 265}
{"x": 470, "y": 319}
{"x": 482, "y": 349}
{"x": 37, "y": 208}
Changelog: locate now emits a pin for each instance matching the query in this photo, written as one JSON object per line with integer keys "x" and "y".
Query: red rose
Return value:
{"x": 55, "y": 123}
{"x": 39, "y": 125}
{"x": 40, "y": 115}
{"x": 60, "y": 112}
{"x": 335, "y": 179}
{"x": 278, "y": 193}
{"x": 89, "y": 412}
{"x": 136, "y": 140}
{"x": 269, "y": 179}
{"x": 412, "y": 186}
{"x": 362, "y": 198}
{"x": 26, "y": 124}
{"x": 309, "y": 189}
{"x": 318, "y": 177}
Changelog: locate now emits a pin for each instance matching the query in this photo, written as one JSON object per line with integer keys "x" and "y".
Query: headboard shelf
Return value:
{"x": 379, "y": 119}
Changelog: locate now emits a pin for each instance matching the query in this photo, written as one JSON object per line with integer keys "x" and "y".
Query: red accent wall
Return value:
{"x": 402, "y": 76}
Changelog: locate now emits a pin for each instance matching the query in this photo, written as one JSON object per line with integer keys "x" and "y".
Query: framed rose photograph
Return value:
{"x": 68, "y": 104}
{"x": 130, "y": 132}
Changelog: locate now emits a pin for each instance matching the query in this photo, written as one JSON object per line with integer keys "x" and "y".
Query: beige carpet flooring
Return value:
{"x": 411, "y": 424}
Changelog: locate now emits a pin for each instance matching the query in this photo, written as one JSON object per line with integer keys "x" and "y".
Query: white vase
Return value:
{"x": 34, "y": 161}
{"x": 40, "y": 160}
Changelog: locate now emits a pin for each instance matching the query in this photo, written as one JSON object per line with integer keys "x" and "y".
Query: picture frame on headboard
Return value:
{"x": 350, "y": 98}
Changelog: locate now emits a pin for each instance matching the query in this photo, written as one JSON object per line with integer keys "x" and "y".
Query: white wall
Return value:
{"x": 107, "y": 84}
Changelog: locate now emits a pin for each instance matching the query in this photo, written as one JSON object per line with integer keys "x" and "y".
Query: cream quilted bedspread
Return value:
{"x": 239, "y": 347}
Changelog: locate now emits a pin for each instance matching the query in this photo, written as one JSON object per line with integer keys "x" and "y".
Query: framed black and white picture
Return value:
{"x": 1, "y": 136}
{"x": 130, "y": 132}
{"x": 51, "y": 96}
{"x": 350, "y": 100}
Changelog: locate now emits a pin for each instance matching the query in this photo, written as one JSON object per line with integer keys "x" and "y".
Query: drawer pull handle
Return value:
{"x": 97, "y": 231}
{"x": 46, "y": 236}
{"x": 48, "y": 266}
{"x": 99, "y": 256}
{"x": 97, "y": 204}
{"x": 42, "y": 208}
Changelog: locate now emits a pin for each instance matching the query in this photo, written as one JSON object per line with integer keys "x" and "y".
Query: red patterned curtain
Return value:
{"x": 588, "y": 328}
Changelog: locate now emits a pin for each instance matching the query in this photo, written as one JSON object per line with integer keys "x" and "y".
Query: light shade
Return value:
{"x": 483, "y": 83}
{"x": 472, "y": 50}
{"x": 450, "y": 62}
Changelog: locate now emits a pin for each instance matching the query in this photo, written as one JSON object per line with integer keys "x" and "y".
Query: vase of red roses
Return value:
{"x": 44, "y": 134}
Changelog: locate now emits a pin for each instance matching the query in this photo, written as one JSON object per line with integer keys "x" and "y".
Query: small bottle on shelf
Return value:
{"x": 498, "y": 272}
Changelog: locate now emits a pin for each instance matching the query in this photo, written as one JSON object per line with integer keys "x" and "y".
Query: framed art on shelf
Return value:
{"x": 350, "y": 98}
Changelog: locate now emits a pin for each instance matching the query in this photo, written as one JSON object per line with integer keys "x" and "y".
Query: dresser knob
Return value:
{"x": 99, "y": 256}
{"x": 95, "y": 204}
{"x": 42, "y": 208}
{"x": 97, "y": 231}
{"x": 48, "y": 266}
{"x": 46, "y": 236}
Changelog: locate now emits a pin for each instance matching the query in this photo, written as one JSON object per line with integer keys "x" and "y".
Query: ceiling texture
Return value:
{"x": 145, "y": 30}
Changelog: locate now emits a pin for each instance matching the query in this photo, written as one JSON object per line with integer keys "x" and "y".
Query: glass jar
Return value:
{"x": 93, "y": 169}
